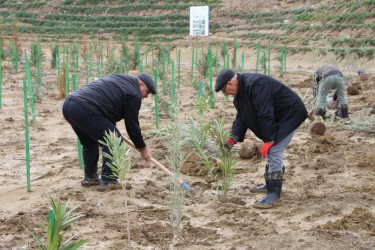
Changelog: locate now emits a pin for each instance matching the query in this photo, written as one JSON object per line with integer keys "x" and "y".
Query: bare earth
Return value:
{"x": 327, "y": 199}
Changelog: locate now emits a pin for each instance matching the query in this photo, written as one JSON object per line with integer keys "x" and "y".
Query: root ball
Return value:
{"x": 249, "y": 149}
{"x": 317, "y": 128}
{"x": 352, "y": 90}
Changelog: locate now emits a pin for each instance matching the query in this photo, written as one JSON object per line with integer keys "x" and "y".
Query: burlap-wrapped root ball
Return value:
{"x": 317, "y": 128}
{"x": 249, "y": 149}
{"x": 352, "y": 90}
{"x": 357, "y": 84}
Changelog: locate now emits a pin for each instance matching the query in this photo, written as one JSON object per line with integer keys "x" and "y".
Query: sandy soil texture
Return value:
{"x": 327, "y": 200}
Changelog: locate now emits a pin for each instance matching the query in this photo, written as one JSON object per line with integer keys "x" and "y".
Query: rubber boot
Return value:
{"x": 344, "y": 111}
{"x": 264, "y": 186}
{"x": 321, "y": 112}
{"x": 90, "y": 180}
{"x": 274, "y": 182}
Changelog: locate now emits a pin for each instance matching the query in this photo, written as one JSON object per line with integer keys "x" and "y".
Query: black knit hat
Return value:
{"x": 146, "y": 78}
{"x": 223, "y": 78}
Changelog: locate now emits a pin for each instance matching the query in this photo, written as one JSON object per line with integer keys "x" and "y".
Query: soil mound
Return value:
{"x": 359, "y": 220}
{"x": 317, "y": 128}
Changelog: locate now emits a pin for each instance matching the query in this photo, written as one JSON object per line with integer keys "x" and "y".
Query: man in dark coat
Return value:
{"x": 272, "y": 111}
{"x": 96, "y": 107}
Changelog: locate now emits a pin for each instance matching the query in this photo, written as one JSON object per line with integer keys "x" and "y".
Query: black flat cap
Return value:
{"x": 147, "y": 79}
{"x": 223, "y": 78}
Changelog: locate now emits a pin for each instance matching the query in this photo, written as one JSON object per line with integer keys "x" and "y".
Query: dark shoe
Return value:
{"x": 342, "y": 112}
{"x": 273, "y": 192}
{"x": 321, "y": 112}
{"x": 263, "y": 187}
{"x": 110, "y": 184}
{"x": 274, "y": 182}
{"x": 90, "y": 180}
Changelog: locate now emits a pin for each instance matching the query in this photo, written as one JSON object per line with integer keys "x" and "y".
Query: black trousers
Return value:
{"x": 90, "y": 128}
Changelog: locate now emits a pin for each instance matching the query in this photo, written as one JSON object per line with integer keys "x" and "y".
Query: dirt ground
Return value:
{"x": 327, "y": 198}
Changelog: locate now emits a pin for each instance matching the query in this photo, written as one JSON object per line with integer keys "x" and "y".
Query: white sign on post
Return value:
{"x": 199, "y": 20}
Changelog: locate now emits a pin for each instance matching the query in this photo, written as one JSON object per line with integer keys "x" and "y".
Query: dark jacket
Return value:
{"x": 325, "y": 71}
{"x": 115, "y": 97}
{"x": 267, "y": 107}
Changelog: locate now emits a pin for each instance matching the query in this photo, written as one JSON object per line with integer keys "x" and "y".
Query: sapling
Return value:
{"x": 226, "y": 164}
{"x": 176, "y": 160}
{"x": 120, "y": 164}
{"x": 203, "y": 103}
{"x": 208, "y": 140}
{"x": 58, "y": 227}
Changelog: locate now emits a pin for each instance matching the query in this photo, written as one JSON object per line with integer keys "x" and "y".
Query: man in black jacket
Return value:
{"x": 96, "y": 107}
{"x": 272, "y": 111}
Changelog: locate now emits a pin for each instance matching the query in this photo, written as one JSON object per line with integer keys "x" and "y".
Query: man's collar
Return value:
{"x": 240, "y": 80}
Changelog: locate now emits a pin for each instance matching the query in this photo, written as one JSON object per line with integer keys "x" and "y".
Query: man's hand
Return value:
{"x": 145, "y": 153}
{"x": 229, "y": 144}
{"x": 265, "y": 148}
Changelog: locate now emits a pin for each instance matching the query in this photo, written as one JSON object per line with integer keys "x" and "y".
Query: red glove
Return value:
{"x": 265, "y": 148}
{"x": 229, "y": 144}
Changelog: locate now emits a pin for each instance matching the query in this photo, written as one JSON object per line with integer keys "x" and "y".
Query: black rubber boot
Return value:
{"x": 110, "y": 185}
{"x": 321, "y": 112}
{"x": 264, "y": 186}
{"x": 274, "y": 182}
{"x": 344, "y": 111}
{"x": 90, "y": 180}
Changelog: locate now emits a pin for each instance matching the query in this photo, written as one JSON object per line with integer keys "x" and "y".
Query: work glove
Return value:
{"x": 229, "y": 144}
{"x": 265, "y": 148}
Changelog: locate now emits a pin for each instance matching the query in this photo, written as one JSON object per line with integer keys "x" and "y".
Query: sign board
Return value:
{"x": 199, "y": 20}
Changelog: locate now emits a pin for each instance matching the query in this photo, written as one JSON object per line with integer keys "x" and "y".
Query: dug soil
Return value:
{"x": 327, "y": 198}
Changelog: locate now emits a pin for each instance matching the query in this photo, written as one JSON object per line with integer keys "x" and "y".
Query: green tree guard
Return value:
{"x": 235, "y": 54}
{"x": 79, "y": 145}
{"x": 28, "y": 76}
{"x": 121, "y": 66}
{"x": 26, "y": 136}
{"x": 224, "y": 53}
{"x": 101, "y": 54}
{"x": 146, "y": 54}
{"x": 38, "y": 72}
{"x": 152, "y": 52}
{"x": 163, "y": 76}
{"x": 285, "y": 59}
{"x": 196, "y": 50}
{"x": 264, "y": 63}
{"x": 269, "y": 57}
{"x": 77, "y": 58}
{"x": 212, "y": 104}
{"x": 192, "y": 66}
{"x": 87, "y": 69}
{"x": 172, "y": 91}
{"x": 90, "y": 58}
{"x": 242, "y": 62}
{"x": 58, "y": 61}
{"x": 281, "y": 61}
{"x": 179, "y": 68}
{"x": 98, "y": 69}
{"x": 258, "y": 49}
{"x": 200, "y": 95}
{"x": 66, "y": 79}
